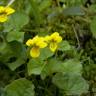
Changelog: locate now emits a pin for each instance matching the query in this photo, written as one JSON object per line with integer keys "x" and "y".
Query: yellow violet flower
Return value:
{"x": 29, "y": 42}
{"x": 36, "y": 43}
{"x": 47, "y": 38}
{"x": 53, "y": 40}
{"x": 4, "y": 12}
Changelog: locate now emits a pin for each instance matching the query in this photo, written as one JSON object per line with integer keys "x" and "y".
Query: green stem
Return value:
{"x": 10, "y": 3}
{"x": 76, "y": 36}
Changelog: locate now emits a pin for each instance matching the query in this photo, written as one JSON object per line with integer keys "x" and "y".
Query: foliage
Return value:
{"x": 68, "y": 69}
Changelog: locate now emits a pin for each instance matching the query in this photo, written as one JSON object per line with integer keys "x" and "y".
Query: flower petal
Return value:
{"x": 29, "y": 42}
{"x": 55, "y": 34}
{"x": 35, "y": 39}
{"x": 41, "y": 44}
{"x": 1, "y": 9}
{"x": 3, "y": 18}
{"x": 35, "y": 52}
{"x": 53, "y": 46}
{"x": 39, "y": 41}
{"x": 9, "y": 10}
{"x": 56, "y": 37}
{"x": 47, "y": 38}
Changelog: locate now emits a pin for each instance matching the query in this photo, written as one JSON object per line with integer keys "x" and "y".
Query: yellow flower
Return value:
{"x": 34, "y": 52}
{"x": 53, "y": 40}
{"x": 47, "y": 38}
{"x": 29, "y": 42}
{"x": 4, "y": 12}
{"x": 36, "y": 43}
{"x": 55, "y": 37}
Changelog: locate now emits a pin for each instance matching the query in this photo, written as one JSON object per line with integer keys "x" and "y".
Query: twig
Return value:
{"x": 10, "y": 2}
{"x": 76, "y": 36}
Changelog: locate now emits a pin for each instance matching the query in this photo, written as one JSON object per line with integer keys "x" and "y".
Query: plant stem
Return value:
{"x": 10, "y": 2}
{"x": 76, "y": 36}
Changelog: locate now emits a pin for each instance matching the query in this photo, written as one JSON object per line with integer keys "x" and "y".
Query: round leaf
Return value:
{"x": 20, "y": 87}
{"x": 71, "y": 84}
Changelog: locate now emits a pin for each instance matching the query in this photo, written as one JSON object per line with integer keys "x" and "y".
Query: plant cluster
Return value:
{"x": 41, "y": 42}
{"x": 47, "y": 47}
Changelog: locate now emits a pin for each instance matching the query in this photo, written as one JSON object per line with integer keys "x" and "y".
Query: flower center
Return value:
{"x": 54, "y": 41}
{"x": 36, "y": 47}
{"x": 3, "y": 13}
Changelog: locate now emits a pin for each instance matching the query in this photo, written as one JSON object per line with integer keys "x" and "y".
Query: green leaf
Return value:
{"x": 93, "y": 27}
{"x": 92, "y": 8}
{"x": 16, "y": 21}
{"x": 14, "y": 35}
{"x": 72, "y": 66}
{"x": 44, "y": 4}
{"x": 6, "y": 53}
{"x": 73, "y": 2}
{"x": 52, "y": 65}
{"x": 73, "y": 11}
{"x": 20, "y": 87}
{"x": 45, "y": 53}
{"x": 35, "y": 13}
{"x": 71, "y": 84}
{"x": 68, "y": 66}
{"x": 18, "y": 53}
{"x": 64, "y": 46}
{"x": 18, "y": 49}
{"x": 2, "y": 46}
{"x": 13, "y": 55}
{"x": 53, "y": 15}
{"x": 35, "y": 66}
{"x": 15, "y": 64}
